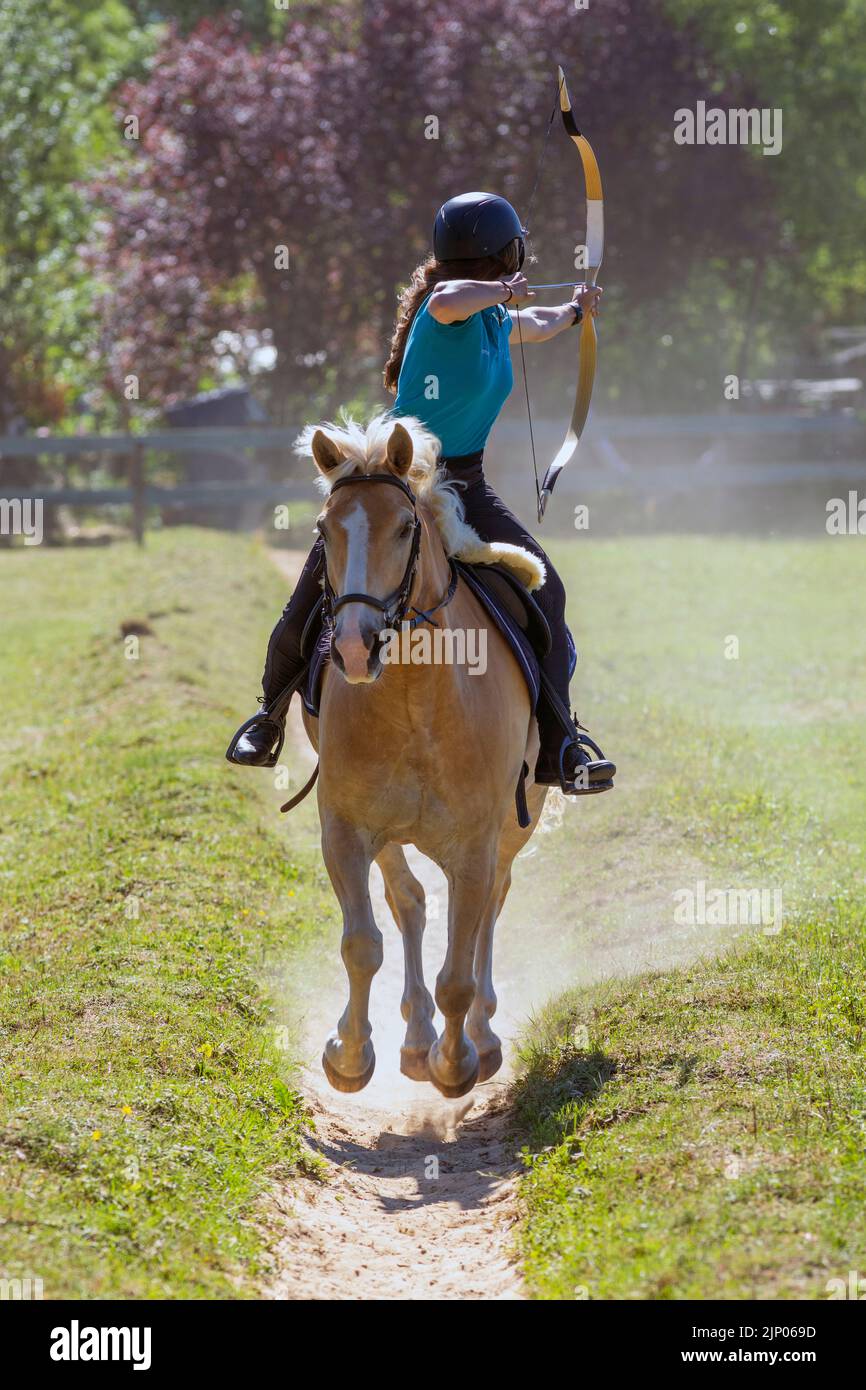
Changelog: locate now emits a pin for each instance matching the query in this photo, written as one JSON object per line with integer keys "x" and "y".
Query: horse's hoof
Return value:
{"x": 489, "y": 1063}
{"x": 452, "y": 1089}
{"x": 413, "y": 1063}
{"x": 340, "y": 1082}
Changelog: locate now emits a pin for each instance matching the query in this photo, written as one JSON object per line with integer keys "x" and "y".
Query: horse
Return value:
{"x": 412, "y": 751}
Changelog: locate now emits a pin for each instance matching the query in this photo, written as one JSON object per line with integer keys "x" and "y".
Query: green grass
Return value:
{"x": 786, "y": 714}
{"x": 704, "y": 1137}
{"x": 145, "y": 1102}
{"x": 701, "y": 1133}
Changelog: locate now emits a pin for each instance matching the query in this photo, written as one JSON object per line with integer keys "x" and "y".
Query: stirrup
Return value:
{"x": 262, "y": 719}
{"x": 573, "y": 786}
{"x": 274, "y": 714}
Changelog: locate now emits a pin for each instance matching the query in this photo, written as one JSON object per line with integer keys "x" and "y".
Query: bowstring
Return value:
{"x": 529, "y": 208}
{"x": 528, "y": 412}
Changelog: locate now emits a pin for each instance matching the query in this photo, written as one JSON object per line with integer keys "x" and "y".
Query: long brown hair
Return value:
{"x": 424, "y": 279}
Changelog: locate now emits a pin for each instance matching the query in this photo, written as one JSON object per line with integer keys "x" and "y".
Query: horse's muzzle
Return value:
{"x": 356, "y": 651}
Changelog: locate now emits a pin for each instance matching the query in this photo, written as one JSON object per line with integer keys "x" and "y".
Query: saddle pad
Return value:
{"x": 516, "y": 600}
{"x": 516, "y": 639}
{"x": 529, "y": 617}
{"x": 312, "y": 687}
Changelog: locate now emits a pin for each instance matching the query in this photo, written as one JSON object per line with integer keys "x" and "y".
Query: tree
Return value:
{"x": 325, "y": 142}
{"x": 61, "y": 58}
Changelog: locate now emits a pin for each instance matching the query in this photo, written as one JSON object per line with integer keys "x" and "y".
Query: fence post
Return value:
{"x": 136, "y": 483}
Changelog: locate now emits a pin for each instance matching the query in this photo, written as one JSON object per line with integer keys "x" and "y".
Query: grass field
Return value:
{"x": 701, "y": 1133}
{"x": 696, "y": 1132}
{"x": 144, "y": 1100}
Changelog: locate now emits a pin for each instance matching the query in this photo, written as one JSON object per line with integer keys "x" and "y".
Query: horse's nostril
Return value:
{"x": 375, "y": 652}
{"x": 352, "y": 650}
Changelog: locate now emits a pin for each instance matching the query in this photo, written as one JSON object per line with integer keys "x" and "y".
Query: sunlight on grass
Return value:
{"x": 145, "y": 1102}
{"x": 700, "y": 1133}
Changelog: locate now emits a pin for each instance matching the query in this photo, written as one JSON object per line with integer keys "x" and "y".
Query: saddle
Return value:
{"x": 505, "y": 600}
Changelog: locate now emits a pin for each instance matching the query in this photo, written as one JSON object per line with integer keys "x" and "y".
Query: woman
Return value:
{"x": 451, "y": 368}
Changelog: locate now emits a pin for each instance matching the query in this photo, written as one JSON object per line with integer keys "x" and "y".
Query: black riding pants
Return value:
{"x": 493, "y": 521}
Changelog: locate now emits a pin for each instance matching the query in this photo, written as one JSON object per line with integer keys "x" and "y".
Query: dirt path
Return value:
{"x": 419, "y": 1199}
{"x": 417, "y": 1206}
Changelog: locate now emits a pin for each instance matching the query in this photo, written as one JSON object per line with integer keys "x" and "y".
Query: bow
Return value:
{"x": 588, "y": 340}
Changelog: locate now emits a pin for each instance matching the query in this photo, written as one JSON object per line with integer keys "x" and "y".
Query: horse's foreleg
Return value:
{"x": 453, "y": 1059}
{"x": 405, "y": 897}
{"x": 349, "y": 1058}
{"x": 484, "y": 1004}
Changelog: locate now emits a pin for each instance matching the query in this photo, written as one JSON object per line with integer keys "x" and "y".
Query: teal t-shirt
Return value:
{"x": 456, "y": 377}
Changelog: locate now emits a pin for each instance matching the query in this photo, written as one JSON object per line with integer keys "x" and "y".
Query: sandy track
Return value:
{"x": 412, "y": 1209}
{"x": 419, "y": 1198}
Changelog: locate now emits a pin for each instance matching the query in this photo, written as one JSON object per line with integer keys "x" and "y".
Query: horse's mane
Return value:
{"x": 364, "y": 451}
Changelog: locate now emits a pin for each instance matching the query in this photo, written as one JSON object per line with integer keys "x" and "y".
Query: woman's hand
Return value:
{"x": 539, "y": 324}
{"x": 587, "y": 297}
{"x": 520, "y": 291}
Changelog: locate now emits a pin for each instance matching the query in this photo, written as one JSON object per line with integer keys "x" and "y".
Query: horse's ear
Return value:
{"x": 326, "y": 455}
{"x": 400, "y": 450}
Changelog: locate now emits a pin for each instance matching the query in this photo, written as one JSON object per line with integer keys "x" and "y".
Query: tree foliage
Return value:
{"x": 807, "y": 61}
{"x": 61, "y": 60}
{"x": 334, "y": 129}
{"x": 340, "y": 139}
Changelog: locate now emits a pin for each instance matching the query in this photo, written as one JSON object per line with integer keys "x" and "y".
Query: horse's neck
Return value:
{"x": 433, "y": 572}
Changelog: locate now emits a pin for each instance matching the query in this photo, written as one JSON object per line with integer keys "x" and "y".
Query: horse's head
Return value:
{"x": 371, "y": 536}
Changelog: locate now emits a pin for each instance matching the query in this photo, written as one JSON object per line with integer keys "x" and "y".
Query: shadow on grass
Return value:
{"x": 555, "y": 1090}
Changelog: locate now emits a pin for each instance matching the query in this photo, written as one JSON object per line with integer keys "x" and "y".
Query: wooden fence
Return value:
{"x": 140, "y": 495}
{"x": 676, "y": 454}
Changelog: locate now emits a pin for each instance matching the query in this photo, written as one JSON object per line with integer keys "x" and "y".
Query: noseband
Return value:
{"x": 395, "y": 608}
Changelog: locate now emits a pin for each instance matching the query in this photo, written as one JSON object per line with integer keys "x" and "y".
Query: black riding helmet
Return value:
{"x": 473, "y": 225}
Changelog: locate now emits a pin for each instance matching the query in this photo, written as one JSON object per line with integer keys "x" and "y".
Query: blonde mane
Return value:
{"x": 363, "y": 448}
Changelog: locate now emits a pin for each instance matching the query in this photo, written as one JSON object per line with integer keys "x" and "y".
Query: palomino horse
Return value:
{"x": 426, "y": 753}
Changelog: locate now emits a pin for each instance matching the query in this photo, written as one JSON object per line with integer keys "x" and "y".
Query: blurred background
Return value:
{"x": 208, "y": 210}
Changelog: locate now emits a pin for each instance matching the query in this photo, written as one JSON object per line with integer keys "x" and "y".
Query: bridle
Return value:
{"x": 396, "y": 608}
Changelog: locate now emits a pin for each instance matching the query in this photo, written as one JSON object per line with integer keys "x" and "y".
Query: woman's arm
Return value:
{"x": 452, "y": 301}
{"x": 538, "y": 324}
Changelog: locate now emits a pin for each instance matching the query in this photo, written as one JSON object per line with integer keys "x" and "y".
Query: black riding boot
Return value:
{"x": 563, "y": 758}
{"x": 259, "y": 741}
{"x": 582, "y": 775}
